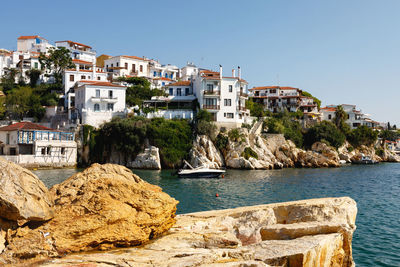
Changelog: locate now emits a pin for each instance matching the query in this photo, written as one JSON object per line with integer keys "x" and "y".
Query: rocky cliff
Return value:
{"x": 316, "y": 232}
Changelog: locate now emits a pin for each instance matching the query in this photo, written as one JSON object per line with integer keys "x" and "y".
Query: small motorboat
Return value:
{"x": 200, "y": 172}
{"x": 365, "y": 160}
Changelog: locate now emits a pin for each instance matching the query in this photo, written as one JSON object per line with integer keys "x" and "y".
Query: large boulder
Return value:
{"x": 23, "y": 197}
{"x": 105, "y": 206}
{"x": 148, "y": 159}
{"x": 204, "y": 153}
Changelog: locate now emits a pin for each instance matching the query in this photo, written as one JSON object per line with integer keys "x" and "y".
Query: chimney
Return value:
{"x": 220, "y": 71}
{"x": 239, "y": 73}
{"x": 233, "y": 73}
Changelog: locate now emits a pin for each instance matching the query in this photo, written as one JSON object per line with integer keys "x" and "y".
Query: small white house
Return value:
{"x": 78, "y": 50}
{"x": 127, "y": 66}
{"x": 98, "y": 102}
{"x": 34, "y": 145}
{"x": 33, "y": 43}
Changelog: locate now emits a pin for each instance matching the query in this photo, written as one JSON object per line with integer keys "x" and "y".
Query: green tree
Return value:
{"x": 389, "y": 135}
{"x": 204, "y": 124}
{"x": 22, "y": 102}
{"x": 256, "y": 109}
{"x": 8, "y": 79}
{"x": 34, "y": 75}
{"x": 325, "y": 132}
{"x": 340, "y": 120}
{"x": 139, "y": 90}
{"x": 362, "y": 135}
{"x": 56, "y": 62}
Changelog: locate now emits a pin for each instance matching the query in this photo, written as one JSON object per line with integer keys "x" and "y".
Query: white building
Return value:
{"x": 33, "y": 43}
{"x": 98, "y": 102}
{"x": 355, "y": 117}
{"x": 33, "y": 145}
{"x": 277, "y": 98}
{"x": 189, "y": 71}
{"x": 127, "y": 66}
{"x": 162, "y": 75}
{"x": 223, "y": 97}
{"x": 78, "y": 50}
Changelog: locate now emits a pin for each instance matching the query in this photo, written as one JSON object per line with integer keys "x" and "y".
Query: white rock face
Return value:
{"x": 315, "y": 232}
{"x": 204, "y": 153}
{"x": 149, "y": 159}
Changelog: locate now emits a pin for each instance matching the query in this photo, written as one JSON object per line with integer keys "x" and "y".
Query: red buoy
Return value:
{"x": 216, "y": 195}
{"x": 222, "y": 176}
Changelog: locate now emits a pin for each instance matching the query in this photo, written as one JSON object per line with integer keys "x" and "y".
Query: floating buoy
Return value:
{"x": 216, "y": 195}
{"x": 222, "y": 176}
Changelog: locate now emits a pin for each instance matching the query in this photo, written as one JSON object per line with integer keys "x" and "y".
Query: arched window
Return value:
{"x": 96, "y": 107}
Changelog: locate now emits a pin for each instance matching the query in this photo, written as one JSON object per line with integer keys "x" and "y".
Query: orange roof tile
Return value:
{"x": 30, "y": 37}
{"x": 274, "y": 87}
{"x": 71, "y": 42}
{"x": 82, "y": 62}
{"x": 138, "y": 58}
{"x": 180, "y": 83}
{"x": 25, "y": 125}
{"x": 163, "y": 79}
{"x": 100, "y": 83}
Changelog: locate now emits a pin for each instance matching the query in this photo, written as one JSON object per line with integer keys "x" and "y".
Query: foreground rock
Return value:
{"x": 315, "y": 232}
{"x": 148, "y": 159}
{"x": 105, "y": 206}
{"x": 23, "y": 197}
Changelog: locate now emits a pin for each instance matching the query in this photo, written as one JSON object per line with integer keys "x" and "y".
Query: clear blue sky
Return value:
{"x": 340, "y": 51}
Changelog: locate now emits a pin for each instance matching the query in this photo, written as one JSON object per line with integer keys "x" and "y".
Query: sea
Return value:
{"x": 376, "y": 189}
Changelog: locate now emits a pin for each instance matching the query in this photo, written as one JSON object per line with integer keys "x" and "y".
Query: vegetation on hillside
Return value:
{"x": 139, "y": 90}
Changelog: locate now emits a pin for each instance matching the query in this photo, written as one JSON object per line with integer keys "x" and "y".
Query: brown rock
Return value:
{"x": 103, "y": 207}
{"x": 22, "y": 195}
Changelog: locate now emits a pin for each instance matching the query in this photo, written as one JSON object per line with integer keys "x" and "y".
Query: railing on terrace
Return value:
{"x": 242, "y": 94}
{"x": 239, "y": 108}
{"x": 211, "y": 107}
{"x": 214, "y": 92}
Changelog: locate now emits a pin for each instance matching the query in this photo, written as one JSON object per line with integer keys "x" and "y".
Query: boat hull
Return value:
{"x": 200, "y": 174}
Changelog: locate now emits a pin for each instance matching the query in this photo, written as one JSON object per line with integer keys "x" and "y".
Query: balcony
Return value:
{"x": 212, "y": 107}
{"x": 211, "y": 93}
{"x": 241, "y": 94}
{"x": 103, "y": 99}
{"x": 240, "y": 108}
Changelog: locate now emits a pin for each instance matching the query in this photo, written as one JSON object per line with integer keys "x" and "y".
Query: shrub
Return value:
{"x": 362, "y": 135}
{"x": 248, "y": 152}
{"x": 222, "y": 142}
{"x": 204, "y": 124}
{"x": 326, "y": 131}
{"x": 379, "y": 151}
{"x": 256, "y": 109}
{"x": 234, "y": 135}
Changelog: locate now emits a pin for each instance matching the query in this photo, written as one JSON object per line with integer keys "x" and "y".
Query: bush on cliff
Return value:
{"x": 204, "y": 124}
{"x": 362, "y": 135}
{"x": 248, "y": 152}
{"x": 286, "y": 124}
{"x": 222, "y": 142}
{"x": 325, "y": 132}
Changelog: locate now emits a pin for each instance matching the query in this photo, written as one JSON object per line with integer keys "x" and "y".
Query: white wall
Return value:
{"x": 97, "y": 118}
{"x": 119, "y": 61}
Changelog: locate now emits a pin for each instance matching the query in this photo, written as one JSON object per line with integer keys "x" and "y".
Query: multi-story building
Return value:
{"x": 78, "y": 50}
{"x": 98, "y": 101}
{"x": 127, "y": 66}
{"x": 33, "y": 43}
{"x": 162, "y": 75}
{"x": 223, "y": 97}
{"x": 277, "y": 98}
{"x": 355, "y": 117}
{"x": 189, "y": 71}
{"x": 34, "y": 145}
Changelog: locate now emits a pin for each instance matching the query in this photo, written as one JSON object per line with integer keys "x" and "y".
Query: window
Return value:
{"x": 141, "y": 68}
{"x": 230, "y": 88}
{"x": 171, "y": 75}
{"x": 126, "y": 66}
{"x": 117, "y": 64}
{"x": 8, "y": 139}
{"x": 83, "y": 77}
{"x": 43, "y": 151}
{"x": 71, "y": 78}
{"x": 97, "y": 93}
{"x": 96, "y": 107}
{"x": 211, "y": 101}
{"x": 187, "y": 92}
{"x": 98, "y": 78}
{"x": 227, "y": 102}
{"x": 110, "y": 94}
{"x": 229, "y": 115}
{"x": 348, "y": 116}
{"x": 48, "y": 150}
{"x": 179, "y": 92}
{"x": 210, "y": 87}
{"x": 329, "y": 116}
{"x": 155, "y": 74}
{"x": 36, "y": 65}
{"x": 107, "y": 66}
{"x": 163, "y": 84}
{"x": 112, "y": 65}
{"x": 171, "y": 91}
{"x": 166, "y": 75}
{"x": 110, "y": 106}
{"x": 159, "y": 74}
{"x": 63, "y": 151}
{"x": 133, "y": 68}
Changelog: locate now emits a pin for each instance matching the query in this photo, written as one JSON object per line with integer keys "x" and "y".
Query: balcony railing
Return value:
{"x": 215, "y": 107}
{"x": 239, "y": 108}
{"x": 242, "y": 94}
{"x": 214, "y": 92}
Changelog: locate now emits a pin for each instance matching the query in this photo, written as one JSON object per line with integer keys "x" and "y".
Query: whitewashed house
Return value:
{"x": 277, "y": 98}
{"x": 223, "y": 97}
{"x": 188, "y": 72}
{"x": 33, "y": 145}
{"x": 355, "y": 117}
{"x": 78, "y": 50}
{"x": 127, "y": 66}
{"x": 180, "y": 103}
{"x": 98, "y": 102}
{"x": 33, "y": 43}
{"x": 162, "y": 75}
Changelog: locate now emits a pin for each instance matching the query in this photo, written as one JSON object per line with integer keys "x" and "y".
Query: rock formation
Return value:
{"x": 148, "y": 159}
{"x": 23, "y": 197}
{"x": 315, "y": 232}
{"x": 103, "y": 207}
{"x": 204, "y": 153}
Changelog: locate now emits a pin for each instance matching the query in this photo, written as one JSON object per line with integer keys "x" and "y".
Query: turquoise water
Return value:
{"x": 376, "y": 189}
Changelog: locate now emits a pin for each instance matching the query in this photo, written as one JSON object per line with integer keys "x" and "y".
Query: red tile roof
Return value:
{"x": 274, "y": 87}
{"x": 134, "y": 57}
{"x": 163, "y": 79}
{"x": 82, "y": 62}
{"x": 328, "y": 109}
{"x": 30, "y": 37}
{"x": 180, "y": 83}
{"x": 25, "y": 125}
{"x": 70, "y": 42}
{"x": 100, "y": 83}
